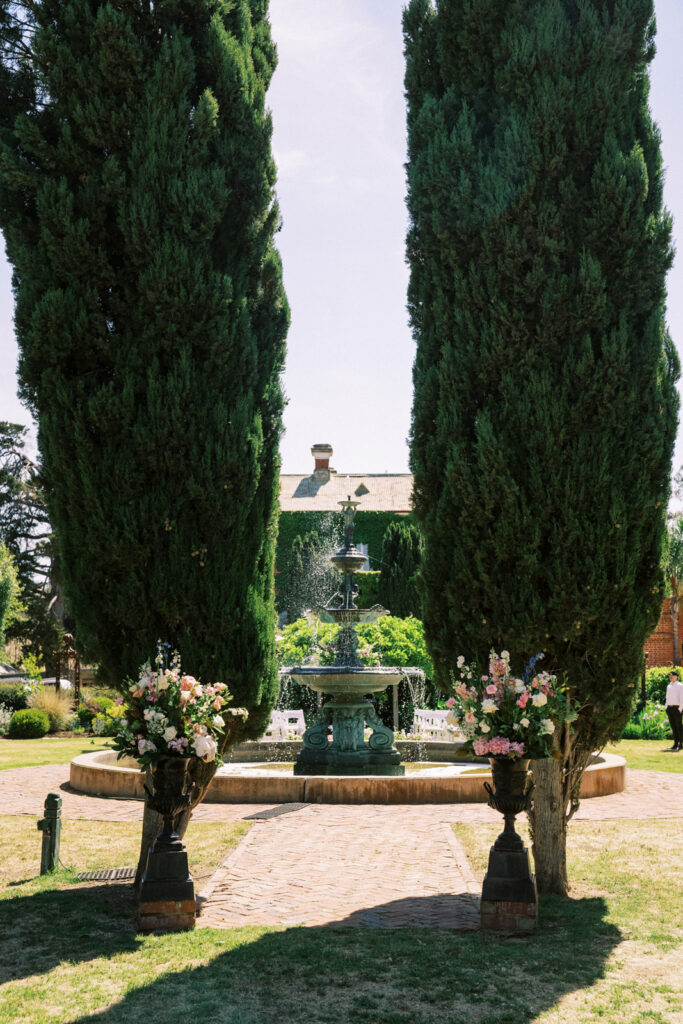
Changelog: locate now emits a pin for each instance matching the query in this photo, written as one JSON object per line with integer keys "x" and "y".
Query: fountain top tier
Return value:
{"x": 342, "y": 608}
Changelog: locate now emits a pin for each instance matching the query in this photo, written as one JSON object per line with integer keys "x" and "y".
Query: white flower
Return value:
{"x": 488, "y": 706}
{"x": 218, "y": 722}
{"x": 519, "y": 685}
{"x": 204, "y": 747}
{"x": 163, "y": 681}
{"x": 170, "y": 733}
{"x": 461, "y": 661}
{"x": 539, "y": 699}
{"x": 484, "y": 727}
{"x": 548, "y": 726}
{"x": 505, "y": 655}
{"x": 524, "y": 722}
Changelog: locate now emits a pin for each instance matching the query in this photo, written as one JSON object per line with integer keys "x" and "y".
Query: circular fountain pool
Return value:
{"x": 425, "y": 782}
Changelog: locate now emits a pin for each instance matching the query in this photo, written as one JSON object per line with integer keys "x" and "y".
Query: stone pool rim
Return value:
{"x": 98, "y": 774}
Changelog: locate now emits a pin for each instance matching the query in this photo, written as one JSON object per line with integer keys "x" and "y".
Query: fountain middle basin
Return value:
{"x": 100, "y": 774}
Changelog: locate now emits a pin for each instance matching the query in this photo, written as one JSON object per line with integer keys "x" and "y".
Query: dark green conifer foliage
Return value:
{"x": 138, "y": 209}
{"x": 545, "y": 407}
{"x": 401, "y": 560}
{"x": 310, "y": 579}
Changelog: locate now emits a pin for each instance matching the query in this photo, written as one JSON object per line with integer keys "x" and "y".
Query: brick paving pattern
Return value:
{"x": 345, "y": 865}
{"x": 371, "y": 865}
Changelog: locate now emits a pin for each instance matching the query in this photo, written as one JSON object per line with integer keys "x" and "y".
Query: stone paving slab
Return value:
{"x": 345, "y": 866}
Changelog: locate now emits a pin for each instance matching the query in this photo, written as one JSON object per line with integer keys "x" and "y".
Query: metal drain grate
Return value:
{"x": 107, "y": 875}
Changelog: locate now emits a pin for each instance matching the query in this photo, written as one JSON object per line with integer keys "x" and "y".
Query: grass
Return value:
{"x": 606, "y": 956}
{"x": 48, "y": 750}
{"x": 648, "y": 754}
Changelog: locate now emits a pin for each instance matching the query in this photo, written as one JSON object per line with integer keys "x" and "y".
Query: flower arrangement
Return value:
{"x": 170, "y": 714}
{"x": 508, "y": 717}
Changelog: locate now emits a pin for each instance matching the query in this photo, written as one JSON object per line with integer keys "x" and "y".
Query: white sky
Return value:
{"x": 339, "y": 142}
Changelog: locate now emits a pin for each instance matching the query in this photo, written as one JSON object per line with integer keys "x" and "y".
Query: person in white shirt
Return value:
{"x": 674, "y": 709}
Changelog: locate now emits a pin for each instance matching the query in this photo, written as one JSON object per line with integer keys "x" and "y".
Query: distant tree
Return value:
{"x": 25, "y": 531}
{"x": 674, "y": 575}
{"x": 401, "y": 560}
{"x": 545, "y": 405}
{"x": 10, "y": 606}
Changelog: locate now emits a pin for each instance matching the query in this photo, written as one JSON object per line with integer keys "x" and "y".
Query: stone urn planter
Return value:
{"x": 509, "y": 900}
{"x": 166, "y": 900}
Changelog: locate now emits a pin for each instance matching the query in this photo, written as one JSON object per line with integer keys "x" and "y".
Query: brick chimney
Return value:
{"x": 322, "y": 453}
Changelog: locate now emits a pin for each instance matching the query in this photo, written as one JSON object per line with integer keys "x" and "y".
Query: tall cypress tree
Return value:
{"x": 545, "y": 407}
{"x": 401, "y": 560}
{"x": 136, "y": 197}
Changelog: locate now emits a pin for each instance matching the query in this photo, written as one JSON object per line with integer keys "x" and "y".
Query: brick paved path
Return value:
{"x": 353, "y": 865}
{"x": 346, "y": 865}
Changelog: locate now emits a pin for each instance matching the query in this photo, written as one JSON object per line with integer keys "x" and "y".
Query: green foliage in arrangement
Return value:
{"x": 401, "y": 561}
{"x": 28, "y": 724}
{"x": 137, "y": 202}
{"x": 545, "y": 405}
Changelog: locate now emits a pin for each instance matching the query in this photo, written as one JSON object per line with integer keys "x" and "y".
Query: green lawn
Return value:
{"x": 648, "y": 754}
{"x": 607, "y": 956}
{"x": 48, "y": 750}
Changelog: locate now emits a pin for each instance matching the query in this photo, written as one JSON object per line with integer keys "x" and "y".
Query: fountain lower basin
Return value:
{"x": 100, "y": 774}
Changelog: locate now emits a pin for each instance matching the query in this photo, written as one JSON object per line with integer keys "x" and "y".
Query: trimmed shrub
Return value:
{"x": 14, "y": 697}
{"x": 57, "y": 706}
{"x": 28, "y": 724}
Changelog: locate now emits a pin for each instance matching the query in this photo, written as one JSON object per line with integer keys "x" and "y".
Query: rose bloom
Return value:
{"x": 524, "y": 722}
{"x": 187, "y": 682}
{"x": 539, "y": 699}
{"x": 492, "y": 688}
{"x": 450, "y": 702}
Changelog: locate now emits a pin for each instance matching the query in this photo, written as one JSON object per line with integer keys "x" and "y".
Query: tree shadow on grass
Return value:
{"x": 80, "y": 923}
{"x": 325, "y": 975}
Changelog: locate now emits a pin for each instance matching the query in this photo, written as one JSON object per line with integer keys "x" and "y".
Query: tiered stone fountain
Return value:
{"x": 347, "y": 684}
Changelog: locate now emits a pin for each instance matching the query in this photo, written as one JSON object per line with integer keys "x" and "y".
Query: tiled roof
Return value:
{"x": 376, "y": 492}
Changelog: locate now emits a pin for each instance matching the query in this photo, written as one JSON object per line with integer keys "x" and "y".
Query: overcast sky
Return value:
{"x": 339, "y": 142}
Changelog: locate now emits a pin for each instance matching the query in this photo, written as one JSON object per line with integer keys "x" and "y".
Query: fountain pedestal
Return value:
{"x": 347, "y": 753}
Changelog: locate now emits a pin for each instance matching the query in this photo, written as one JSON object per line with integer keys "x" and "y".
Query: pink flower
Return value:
{"x": 517, "y": 748}
{"x": 480, "y": 746}
{"x": 218, "y": 703}
{"x": 484, "y": 679}
{"x": 499, "y": 745}
{"x": 492, "y": 688}
{"x": 470, "y": 717}
{"x": 450, "y": 702}
{"x": 522, "y": 700}
{"x": 462, "y": 691}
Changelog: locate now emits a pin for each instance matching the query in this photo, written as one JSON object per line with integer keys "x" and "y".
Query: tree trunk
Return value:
{"x": 548, "y": 822}
{"x": 673, "y": 607}
{"x": 555, "y": 800}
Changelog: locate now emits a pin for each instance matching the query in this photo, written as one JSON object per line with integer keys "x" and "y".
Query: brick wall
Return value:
{"x": 659, "y": 646}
